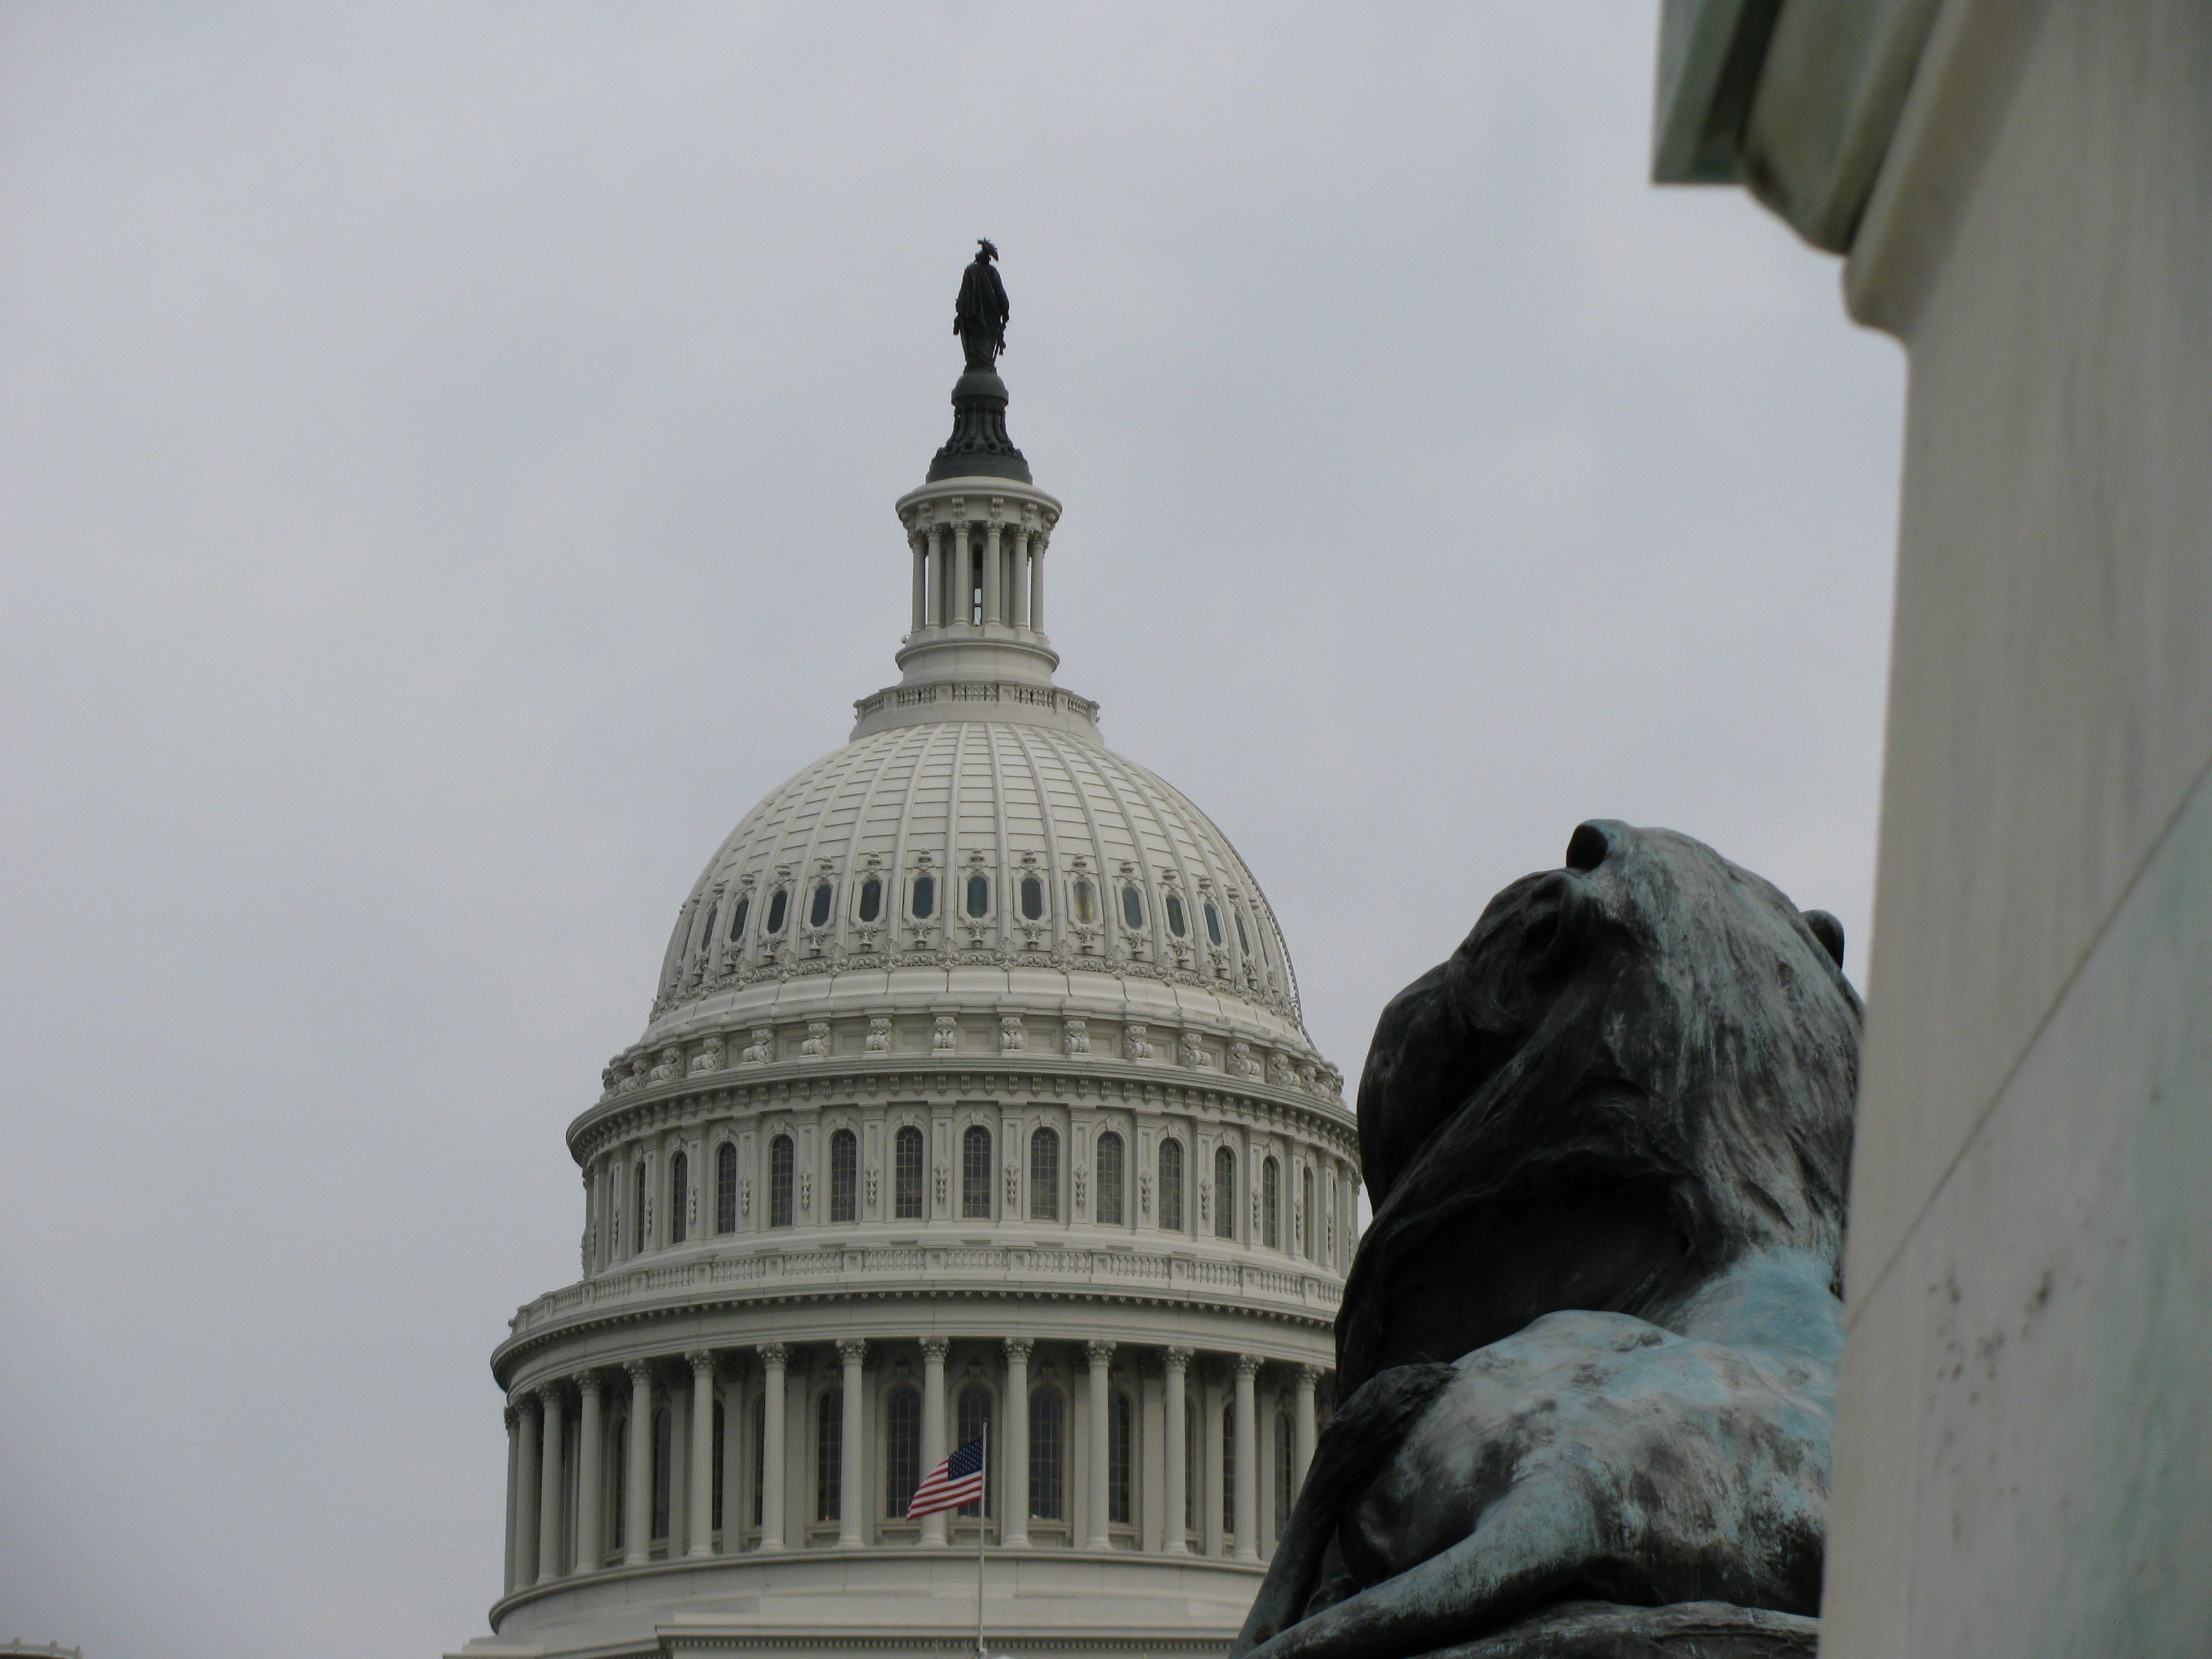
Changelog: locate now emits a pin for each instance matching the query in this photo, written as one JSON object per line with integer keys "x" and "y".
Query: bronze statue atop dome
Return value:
{"x": 979, "y": 316}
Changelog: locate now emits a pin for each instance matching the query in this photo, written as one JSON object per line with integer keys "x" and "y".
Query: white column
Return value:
{"x": 737, "y": 1467}
{"x": 549, "y": 1483}
{"x": 773, "y": 1357}
{"x": 702, "y": 1452}
{"x": 1014, "y": 1533}
{"x": 637, "y": 1498}
{"x": 1177, "y": 1366}
{"x": 934, "y": 1349}
{"x": 1101, "y": 1355}
{"x": 1036, "y": 580}
{"x": 1302, "y": 1427}
{"x": 514, "y": 1492}
{"x": 526, "y": 1496}
{"x": 1246, "y": 1523}
{"x": 962, "y": 589}
{"x": 591, "y": 1437}
{"x": 677, "y": 1403}
{"x": 1018, "y": 611}
{"x": 992, "y": 572}
{"x": 919, "y": 541}
{"x": 851, "y": 1460}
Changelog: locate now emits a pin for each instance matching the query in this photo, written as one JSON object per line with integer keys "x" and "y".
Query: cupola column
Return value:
{"x": 992, "y": 571}
{"x": 1015, "y": 1445}
{"x": 851, "y": 1459}
{"x": 933, "y": 1350}
{"x": 1176, "y": 1364}
{"x": 513, "y": 1491}
{"x": 773, "y": 1357}
{"x": 1037, "y": 543}
{"x": 525, "y": 1498}
{"x": 637, "y": 1484}
{"x": 702, "y": 1452}
{"x": 591, "y": 1445}
{"x": 549, "y": 1483}
{"x": 919, "y": 540}
{"x": 1018, "y": 611}
{"x": 1101, "y": 1356}
{"x": 960, "y": 590}
{"x": 1246, "y": 1521}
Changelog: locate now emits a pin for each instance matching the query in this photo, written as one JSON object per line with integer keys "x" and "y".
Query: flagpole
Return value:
{"x": 982, "y": 1518}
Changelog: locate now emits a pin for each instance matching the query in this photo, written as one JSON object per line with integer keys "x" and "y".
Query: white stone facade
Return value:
{"x": 975, "y": 1092}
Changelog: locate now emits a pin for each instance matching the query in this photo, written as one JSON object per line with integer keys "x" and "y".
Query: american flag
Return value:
{"x": 959, "y": 1479}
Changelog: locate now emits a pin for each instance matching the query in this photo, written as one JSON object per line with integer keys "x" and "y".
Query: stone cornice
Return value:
{"x": 800, "y": 1084}
{"x": 760, "y": 1280}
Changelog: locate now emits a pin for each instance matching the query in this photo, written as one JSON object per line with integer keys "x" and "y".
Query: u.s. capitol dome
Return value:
{"x": 974, "y": 1101}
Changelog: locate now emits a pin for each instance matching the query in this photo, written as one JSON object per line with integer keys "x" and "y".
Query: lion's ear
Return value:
{"x": 1587, "y": 846}
{"x": 1827, "y": 929}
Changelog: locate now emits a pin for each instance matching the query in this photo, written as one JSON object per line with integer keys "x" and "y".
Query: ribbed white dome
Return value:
{"x": 1035, "y": 850}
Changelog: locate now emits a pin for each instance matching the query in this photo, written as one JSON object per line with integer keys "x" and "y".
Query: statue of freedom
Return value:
{"x": 978, "y": 317}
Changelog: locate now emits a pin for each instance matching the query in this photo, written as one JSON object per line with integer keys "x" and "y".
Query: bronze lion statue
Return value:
{"x": 1588, "y": 1347}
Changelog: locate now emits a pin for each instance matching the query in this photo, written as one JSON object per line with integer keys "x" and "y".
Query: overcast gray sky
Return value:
{"x": 446, "y": 457}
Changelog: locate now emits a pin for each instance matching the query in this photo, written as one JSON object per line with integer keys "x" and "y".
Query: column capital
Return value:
{"x": 1017, "y": 1349}
{"x": 853, "y": 1350}
{"x": 1098, "y": 1352}
{"x": 936, "y": 1348}
{"x": 1307, "y": 1376}
{"x": 1248, "y": 1365}
{"x": 551, "y": 1391}
{"x": 589, "y": 1383}
{"x": 1178, "y": 1359}
{"x": 514, "y": 1416}
{"x": 701, "y": 1362}
{"x": 774, "y": 1353}
{"x": 638, "y": 1370}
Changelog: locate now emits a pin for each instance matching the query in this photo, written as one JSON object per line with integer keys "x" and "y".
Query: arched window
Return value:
{"x": 1305, "y": 1213}
{"x": 817, "y": 913}
{"x": 1044, "y": 1175}
{"x": 1175, "y": 914}
{"x": 976, "y": 1173}
{"x": 1172, "y": 1186}
{"x": 902, "y": 1450}
{"x": 1133, "y": 908}
{"x": 844, "y": 1176}
{"x": 979, "y": 895}
{"x": 778, "y": 903}
{"x": 679, "y": 1190}
{"x": 872, "y": 899}
{"x": 1032, "y": 899}
{"x": 664, "y": 1449}
{"x": 726, "y": 1188}
{"x": 1120, "y": 1488}
{"x": 779, "y": 1182}
{"x": 1243, "y": 938}
{"x": 906, "y": 1174}
{"x": 1213, "y": 923}
{"x": 637, "y": 1211}
{"x": 1110, "y": 1180}
{"x": 707, "y": 933}
{"x": 1224, "y": 1192}
{"x": 1285, "y": 1470}
{"x": 830, "y": 1455}
{"x": 1228, "y": 1471}
{"x": 738, "y": 917}
{"x": 1047, "y": 1444}
{"x": 925, "y": 897}
{"x": 1271, "y": 1203}
{"x": 1087, "y": 901}
{"x": 974, "y": 1413}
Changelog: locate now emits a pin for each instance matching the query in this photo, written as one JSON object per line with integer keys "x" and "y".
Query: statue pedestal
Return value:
{"x": 1688, "y": 1630}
